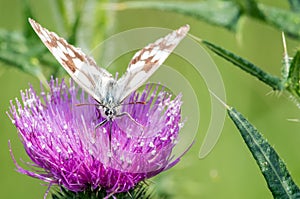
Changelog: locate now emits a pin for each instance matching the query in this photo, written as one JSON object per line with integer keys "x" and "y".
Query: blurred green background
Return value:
{"x": 229, "y": 171}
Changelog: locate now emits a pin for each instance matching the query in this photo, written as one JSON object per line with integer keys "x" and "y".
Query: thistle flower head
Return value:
{"x": 58, "y": 132}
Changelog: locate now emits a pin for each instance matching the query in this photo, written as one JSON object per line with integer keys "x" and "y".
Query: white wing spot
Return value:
{"x": 145, "y": 55}
{"x": 138, "y": 78}
{"x": 172, "y": 37}
{"x": 44, "y": 38}
{"x": 78, "y": 63}
{"x": 136, "y": 67}
{"x": 160, "y": 57}
{"x": 159, "y": 41}
{"x": 70, "y": 52}
{"x": 59, "y": 53}
{"x": 44, "y": 35}
{"x": 61, "y": 46}
{"x": 153, "y": 51}
{"x": 172, "y": 41}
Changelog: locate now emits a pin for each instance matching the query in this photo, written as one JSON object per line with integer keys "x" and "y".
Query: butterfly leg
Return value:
{"x": 98, "y": 125}
{"x": 101, "y": 123}
{"x": 131, "y": 118}
{"x": 110, "y": 129}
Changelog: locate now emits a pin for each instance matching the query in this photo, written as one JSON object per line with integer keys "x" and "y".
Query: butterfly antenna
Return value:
{"x": 130, "y": 103}
{"x": 86, "y": 104}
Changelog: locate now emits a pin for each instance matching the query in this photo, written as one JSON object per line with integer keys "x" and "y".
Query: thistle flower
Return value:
{"x": 60, "y": 138}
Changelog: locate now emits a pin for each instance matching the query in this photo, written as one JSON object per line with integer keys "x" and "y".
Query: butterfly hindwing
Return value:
{"x": 146, "y": 61}
{"x": 81, "y": 67}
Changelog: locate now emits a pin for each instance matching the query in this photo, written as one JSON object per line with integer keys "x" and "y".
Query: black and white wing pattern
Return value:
{"x": 146, "y": 61}
{"x": 80, "y": 67}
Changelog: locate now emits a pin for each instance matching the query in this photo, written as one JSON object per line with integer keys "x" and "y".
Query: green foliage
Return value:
{"x": 295, "y": 5}
{"x": 289, "y": 80}
{"x": 17, "y": 51}
{"x": 272, "y": 167}
{"x": 293, "y": 76}
{"x": 287, "y": 21}
{"x": 24, "y": 50}
{"x": 70, "y": 15}
{"x": 228, "y": 14}
{"x": 220, "y": 13}
{"x": 245, "y": 65}
{"x": 139, "y": 192}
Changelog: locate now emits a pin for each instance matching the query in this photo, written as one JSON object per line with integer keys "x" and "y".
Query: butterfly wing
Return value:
{"x": 146, "y": 61}
{"x": 81, "y": 67}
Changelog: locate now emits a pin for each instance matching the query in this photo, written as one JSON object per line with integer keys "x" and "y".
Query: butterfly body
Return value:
{"x": 109, "y": 92}
{"x": 108, "y": 106}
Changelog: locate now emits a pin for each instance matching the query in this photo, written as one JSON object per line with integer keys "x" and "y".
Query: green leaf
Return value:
{"x": 24, "y": 50}
{"x": 284, "y": 20}
{"x": 61, "y": 12}
{"x": 221, "y": 13}
{"x": 272, "y": 167}
{"x": 228, "y": 13}
{"x": 245, "y": 65}
{"x": 27, "y": 12}
{"x": 68, "y": 17}
{"x": 15, "y": 51}
{"x": 24, "y": 54}
{"x": 139, "y": 192}
{"x": 295, "y": 5}
{"x": 293, "y": 84}
{"x": 251, "y": 8}
{"x": 74, "y": 25}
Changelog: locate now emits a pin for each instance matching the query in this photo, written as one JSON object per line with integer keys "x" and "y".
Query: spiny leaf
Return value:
{"x": 222, "y": 13}
{"x": 14, "y": 51}
{"x": 272, "y": 167}
{"x": 245, "y": 65}
{"x": 295, "y": 5}
{"x": 284, "y": 20}
{"x": 293, "y": 84}
{"x": 23, "y": 54}
{"x": 24, "y": 51}
{"x": 228, "y": 13}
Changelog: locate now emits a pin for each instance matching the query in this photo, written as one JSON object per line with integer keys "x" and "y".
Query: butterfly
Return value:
{"x": 109, "y": 92}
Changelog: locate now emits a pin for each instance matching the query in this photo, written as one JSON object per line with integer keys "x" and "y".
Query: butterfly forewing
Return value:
{"x": 81, "y": 67}
{"x": 146, "y": 61}
{"x": 99, "y": 83}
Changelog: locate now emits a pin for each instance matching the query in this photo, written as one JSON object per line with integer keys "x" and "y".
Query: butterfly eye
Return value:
{"x": 109, "y": 112}
{"x": 106, "y": 112}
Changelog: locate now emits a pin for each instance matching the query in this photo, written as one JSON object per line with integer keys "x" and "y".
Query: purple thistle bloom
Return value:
{"x": 60, "y": 138}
